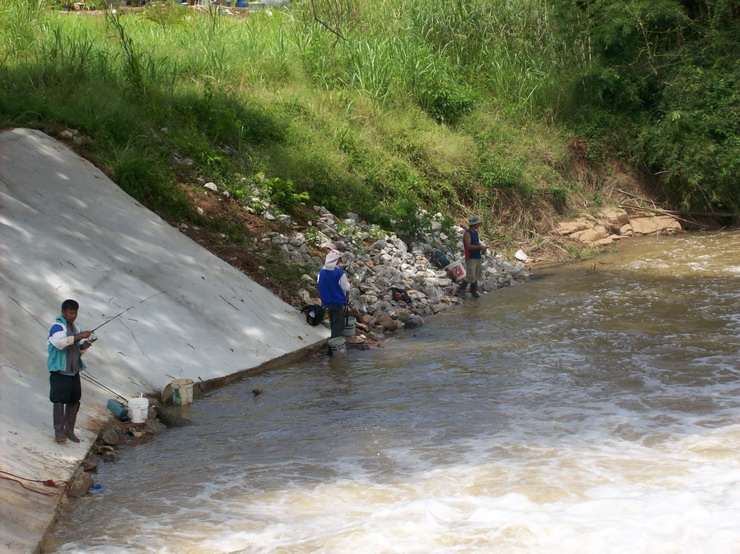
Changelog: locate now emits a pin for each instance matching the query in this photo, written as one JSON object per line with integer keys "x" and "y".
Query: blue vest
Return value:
{"x": 57, "y": 360}
{"x": 329, "y": 289}
{"x": 474, "y": 241}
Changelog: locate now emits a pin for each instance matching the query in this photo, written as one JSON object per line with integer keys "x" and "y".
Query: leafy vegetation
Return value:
{"x": 380, "y": 107}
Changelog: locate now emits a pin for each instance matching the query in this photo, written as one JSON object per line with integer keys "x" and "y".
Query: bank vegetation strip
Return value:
{"x": 521, "y": 112}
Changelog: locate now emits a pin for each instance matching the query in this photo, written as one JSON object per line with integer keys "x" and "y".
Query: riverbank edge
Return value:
{"x": 202, "y": 387}
{"x": 199, "y": 389}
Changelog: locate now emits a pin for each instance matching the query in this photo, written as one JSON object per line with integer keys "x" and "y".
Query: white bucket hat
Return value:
{"x": 331, "y": 259}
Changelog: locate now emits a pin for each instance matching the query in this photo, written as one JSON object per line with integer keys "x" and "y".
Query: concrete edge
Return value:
{"x": 202, "y": 387}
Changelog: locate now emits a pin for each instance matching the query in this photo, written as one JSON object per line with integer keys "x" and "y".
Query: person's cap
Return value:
{"x": 475, "y": 220}
{"x": 332, "y": 257}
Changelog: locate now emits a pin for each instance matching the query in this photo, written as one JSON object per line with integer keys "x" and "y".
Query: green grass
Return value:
{"x": 455, "y": 105}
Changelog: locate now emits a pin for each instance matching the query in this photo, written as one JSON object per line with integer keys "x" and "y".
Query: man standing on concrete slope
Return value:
{"x": 474, "y": 250}
{"x": 65, "y": 346}
{"x": 333, "y": 289}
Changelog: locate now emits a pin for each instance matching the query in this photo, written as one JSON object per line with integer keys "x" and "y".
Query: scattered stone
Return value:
{"x": 80, "y": 485}
{"x": 211, "y": 186}
{"x": 414, "y": 322}
{"x": 403, "y": 314}
{"x": 285, "y": 220}
{"x": 110, "y": 437}
{"x": 387, "y": 322}
{"x": 614, "y": 223}
{"x": 570, "y": 227}
{"x": 91, "y": 463}
{"x": 654, "y": 224}
{"x": 593, "y": 234}
{"x": 153, "y": 426}
{"x": 110, "y": 456}
{"x": 614, "y": 218}
{"x": 377, "y": 262}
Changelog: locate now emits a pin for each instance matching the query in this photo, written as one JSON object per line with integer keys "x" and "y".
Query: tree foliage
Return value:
{"x": 666, "y": 73}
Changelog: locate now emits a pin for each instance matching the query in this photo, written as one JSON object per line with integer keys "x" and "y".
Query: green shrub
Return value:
{"x": 408, "y": 220}
{"x": 695, "y": 145}
{"x": 446, "y": 101}
{"x": 284, "y": 196}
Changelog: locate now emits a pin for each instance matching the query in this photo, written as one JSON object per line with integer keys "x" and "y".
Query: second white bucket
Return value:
{"x": 182, "y": 392}
{"x": 337, "y": 346}
{"x": 349, "y": 327}
{"x": 138, "y": 409}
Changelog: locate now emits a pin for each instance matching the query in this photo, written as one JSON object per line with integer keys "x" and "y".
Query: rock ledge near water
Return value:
{"x": 613, "y": 224}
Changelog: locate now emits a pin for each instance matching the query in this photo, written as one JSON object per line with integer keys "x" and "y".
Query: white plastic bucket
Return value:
{"x": 338, "y": 346}
{"x": 138, "y": 409}
{"x": 349, "y": 327}
{"x": 456, "y": 270}
{"x": 182, "y": 392}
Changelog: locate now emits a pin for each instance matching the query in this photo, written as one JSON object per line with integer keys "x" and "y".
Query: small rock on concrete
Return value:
{"x": 80, "y": 485}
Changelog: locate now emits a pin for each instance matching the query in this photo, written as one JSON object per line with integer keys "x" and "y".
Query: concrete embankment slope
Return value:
{"x": 67, "y": 231}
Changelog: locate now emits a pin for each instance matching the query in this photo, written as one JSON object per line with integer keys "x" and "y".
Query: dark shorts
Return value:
{"x": 66, "y": 389}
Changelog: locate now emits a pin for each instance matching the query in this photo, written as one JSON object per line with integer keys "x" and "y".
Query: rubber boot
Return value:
{"x": 474, "y": 290}
{"x": 59, "y": 435}
{"x": 70, "y": 416}
{"x": 461, "y": 290}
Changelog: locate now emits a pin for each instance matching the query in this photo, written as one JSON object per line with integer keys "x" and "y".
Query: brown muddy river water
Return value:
{"x": 595, "y": 409}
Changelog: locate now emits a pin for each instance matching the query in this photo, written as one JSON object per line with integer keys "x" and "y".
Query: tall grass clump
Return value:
{"x": 22, "y": 21}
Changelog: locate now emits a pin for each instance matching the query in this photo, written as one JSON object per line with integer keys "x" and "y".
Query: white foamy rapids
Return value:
{"x": 593, "y": 494}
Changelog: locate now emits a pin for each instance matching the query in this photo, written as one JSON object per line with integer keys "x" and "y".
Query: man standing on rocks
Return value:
{"x": 333, "y": 289}
{"x": 65, "y": 346}
{"x": 474, "y": 249}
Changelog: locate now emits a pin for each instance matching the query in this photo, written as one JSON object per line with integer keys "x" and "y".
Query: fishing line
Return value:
{"x": 25, "y": 310}
{"x": 127, "y": 309}
{"x": 89, "y": 378}
{"x": 86, "y": 376}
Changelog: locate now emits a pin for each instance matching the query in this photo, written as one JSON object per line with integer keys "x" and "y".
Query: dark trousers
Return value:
{"x": 65, "y": 392}
{"x": 336, "y": 319}
{"x": 66, "y": 389}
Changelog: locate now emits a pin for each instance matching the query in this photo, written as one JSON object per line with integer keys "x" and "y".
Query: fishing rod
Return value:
{"x": 127, "y": 309}
{"x": 86, "y": 376}
{"x": 89, "y": 378}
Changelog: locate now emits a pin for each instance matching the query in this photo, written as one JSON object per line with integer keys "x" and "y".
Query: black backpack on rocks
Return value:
{"x": 314, "y": 314}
